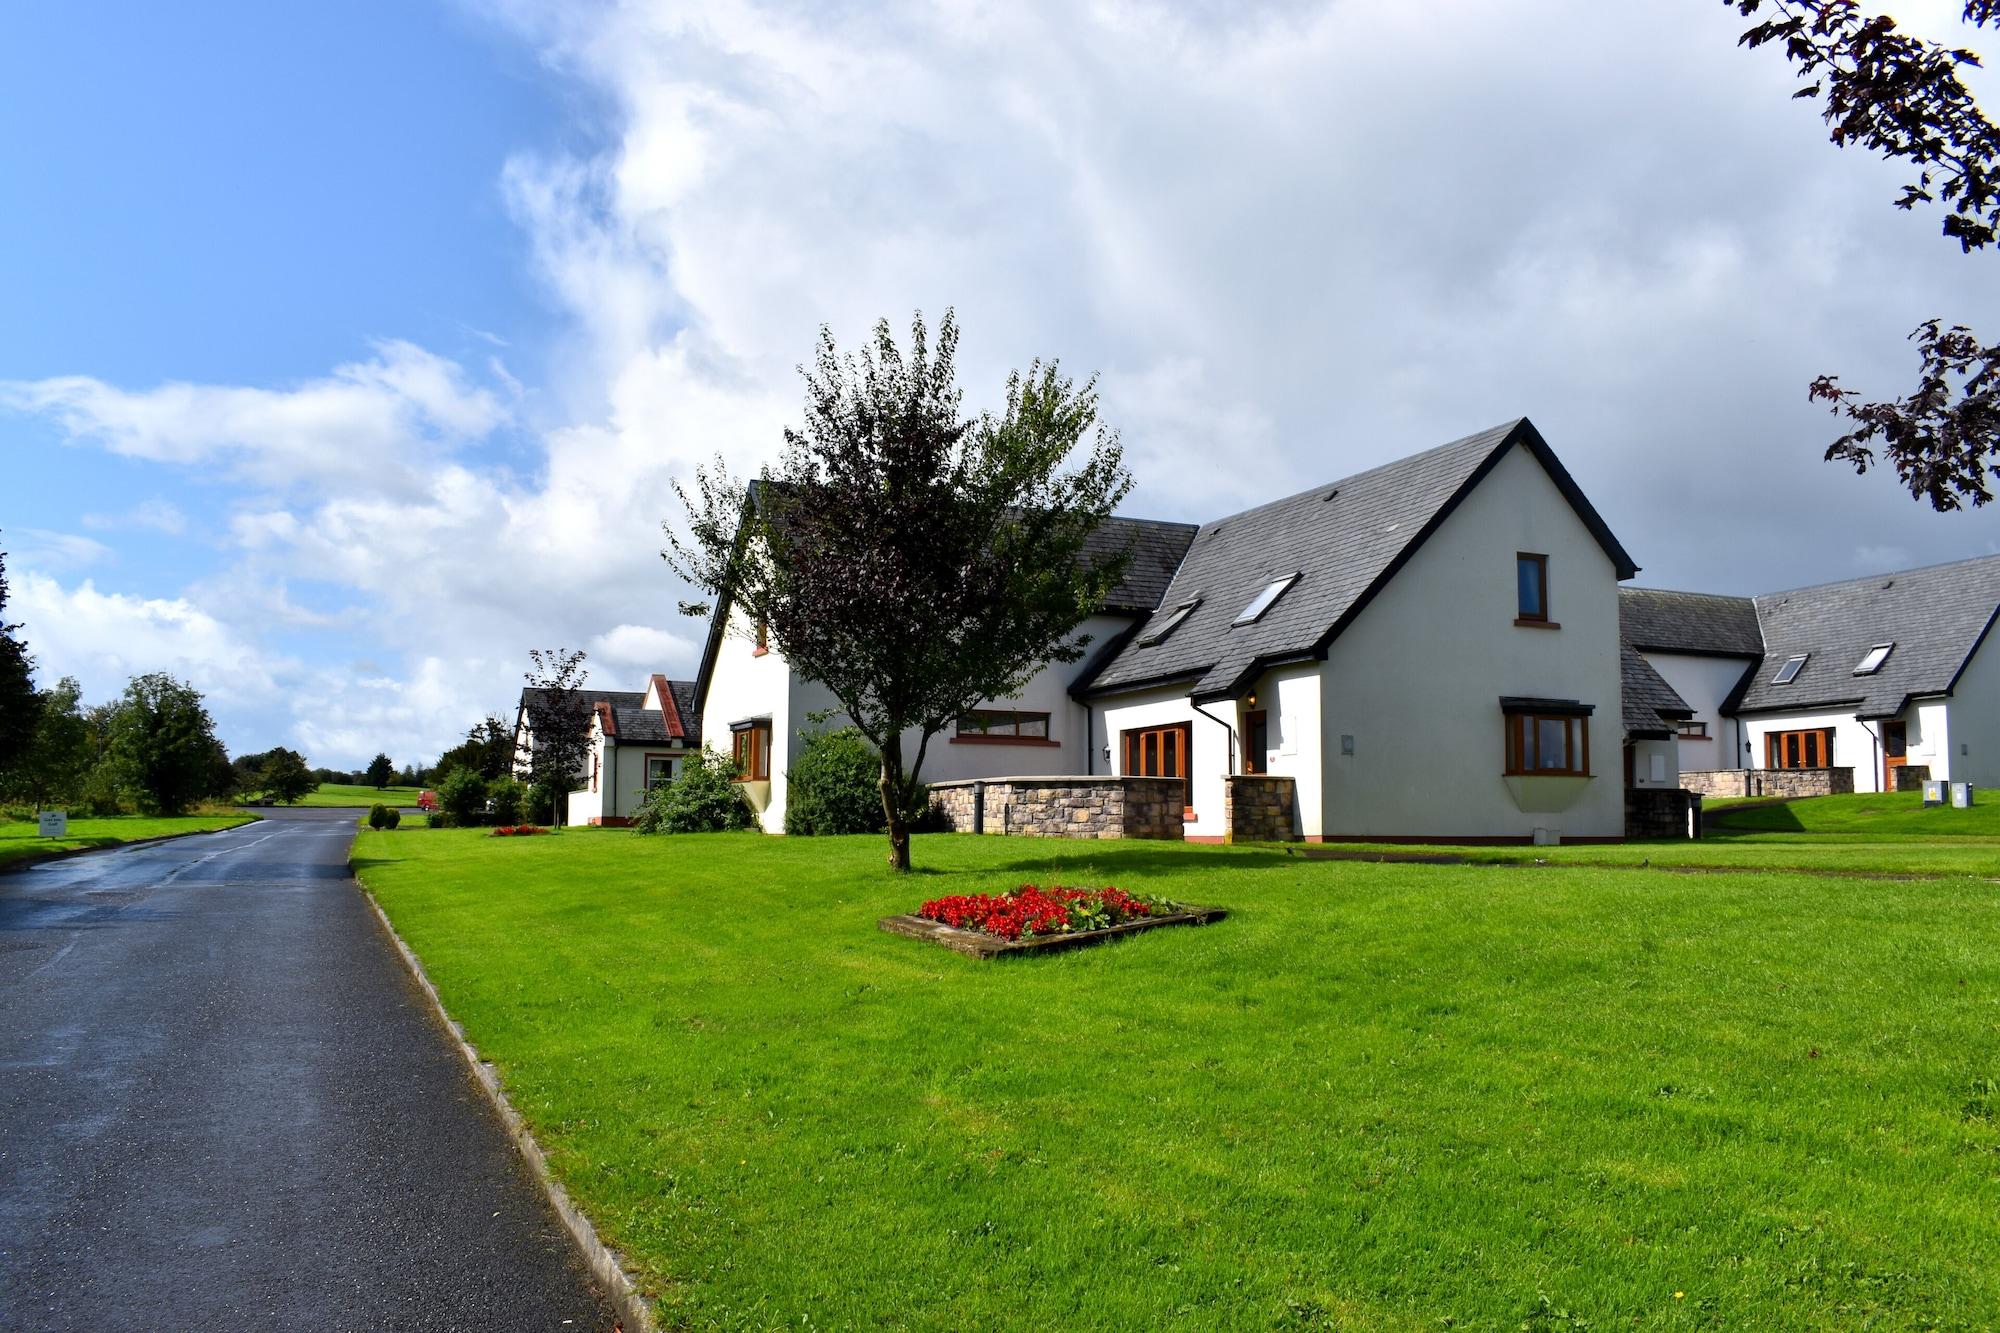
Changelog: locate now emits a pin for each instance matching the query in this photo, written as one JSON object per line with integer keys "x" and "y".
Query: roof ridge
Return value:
{"x": 1885, "y": 574}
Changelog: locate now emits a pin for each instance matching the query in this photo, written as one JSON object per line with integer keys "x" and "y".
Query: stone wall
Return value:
{"x": 1662, "y": 812}
{"x": 1257, "y": 807}
{"x": 1912, "y": 777}
{"x": 1769, "y": 781}
{"x": 1065, "y": 807}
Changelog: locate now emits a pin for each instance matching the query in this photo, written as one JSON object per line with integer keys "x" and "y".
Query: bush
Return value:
{"x": 541, "y": 805}
{"x": 835, "y": 787}
{"x": 394, "y": 818}
{"x": 703, "y": 799}
{"x": 100, "y": 797}
{"x": 462, "y": 797}
{"x": 509, "y": 796}
{"x": 378, "y": 815}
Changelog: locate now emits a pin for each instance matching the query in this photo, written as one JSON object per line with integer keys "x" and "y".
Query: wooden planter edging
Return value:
{"x": 978, "y": 944}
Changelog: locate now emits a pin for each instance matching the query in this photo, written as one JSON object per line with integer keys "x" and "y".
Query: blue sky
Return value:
{"x": 354, "y": 349}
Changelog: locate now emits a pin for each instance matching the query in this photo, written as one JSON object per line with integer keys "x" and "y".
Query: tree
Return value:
{"x": 831, "y": 786}
{"x": 487, "y": 750}
{"x": 914, "y": 561}
{"x": 558, "y": 719}
{"x": 51, "y": 771}
{"x": 1902, "y": 97}
{"x": 162, "y": 744}
{"x": 705, "y": 798}
{"x": 18, "y": 702}
{"x": 381, "y": 771}
{"x": 286, "y": 778}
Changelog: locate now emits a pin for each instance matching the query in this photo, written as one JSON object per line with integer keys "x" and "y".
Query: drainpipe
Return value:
{"x": 1089, "y": 740}
{"x": 1875, "y": 739}
{"x": 1229, "y": 767}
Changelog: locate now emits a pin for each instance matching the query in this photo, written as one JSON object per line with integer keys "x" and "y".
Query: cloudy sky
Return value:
{"x": 351, "y": 350}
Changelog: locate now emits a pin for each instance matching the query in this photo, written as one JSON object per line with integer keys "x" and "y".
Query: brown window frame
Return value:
{"x": 1522, "y": 617}
{"x": 1133, "y": 752}
{"x": 1700, "y": 732}
{"x": 1804, "y": 742}
{"x": 1255, "y": 721}
{"x": 1006, "y": 728}
{"x": 1524, "y": 744}
{"x": 753, "y": 759}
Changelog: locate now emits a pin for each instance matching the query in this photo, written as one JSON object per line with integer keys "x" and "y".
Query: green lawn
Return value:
{"x": 340, "y": 795}
{"x": 1400, "y": 1096}
{"x": 1870, "y": 815}
{"x": 19, "y": 839}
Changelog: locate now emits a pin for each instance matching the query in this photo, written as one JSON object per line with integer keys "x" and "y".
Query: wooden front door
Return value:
{"x": 1895, "y": 751}
{"x": 1160, "y": 752}
{"x": 1256, "y": 740}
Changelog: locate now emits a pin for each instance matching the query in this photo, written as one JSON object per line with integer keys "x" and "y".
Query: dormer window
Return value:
{"x": 1789, "y": 672}
{"x": 1872, "y": 663}
{"x": 1264, "y": 599}
{"x": 1169, "y": 625}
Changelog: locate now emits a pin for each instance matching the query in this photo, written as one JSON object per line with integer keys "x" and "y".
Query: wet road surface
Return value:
{"x": 223, "y": 1104}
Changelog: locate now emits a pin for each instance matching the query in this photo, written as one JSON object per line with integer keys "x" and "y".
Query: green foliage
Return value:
{"x": 19, "y": 704}
{"x": 462, "y": 796}
{"x": 541, "y": 804}
{"x": 379, "y": 816}
{"x": 509, "y": 797}
{"x": 286, "y": 778}
{"x": 60, "y": 754}
{"x": 705, "y": 798}
{"x": 381, "y": 771}
{"x": 488, "y": 750}
{"x": 100, "y": 795}
{"x": 835, "y": 786}
{"x": 162, "y": 744}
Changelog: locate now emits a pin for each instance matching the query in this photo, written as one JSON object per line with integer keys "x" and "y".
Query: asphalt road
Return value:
{"x": 223, "y": 1104}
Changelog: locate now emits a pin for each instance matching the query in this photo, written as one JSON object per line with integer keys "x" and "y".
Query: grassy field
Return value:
{"x": 1871, "y": 816}
{"x": 1377, "y": 1096}
{"x": 19, "y": 840}
{"x": 341, "y": 796}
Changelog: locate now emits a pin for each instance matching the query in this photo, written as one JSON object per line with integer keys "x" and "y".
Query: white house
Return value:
{"x": 637, "y": 741}
{"x": 1871, "y": 675}
{"x": 1429, "y": 649}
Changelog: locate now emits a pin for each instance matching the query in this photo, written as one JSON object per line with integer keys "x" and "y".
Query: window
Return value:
{"x": 1694, "y": 731}
{"x": 1169, "y": 625}
{"x": 1531, "y": 588}
{"x": 1548, "y": 745}
{"x": 1799, "y": 749}
{"x": 1876, "y": 657}
{"x": 1160, "y": 752}
{"x": 753, "y": 749}
{"x": 1256, "y": 740}
{"x": 1004, "y": 726}
{"x": 660, "y": 770}
{"x": 1789, "y": 672}
{"x": 1261, "y": 603}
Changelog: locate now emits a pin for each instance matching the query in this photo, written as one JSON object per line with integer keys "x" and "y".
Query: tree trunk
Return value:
{"x": 892, "y": 804}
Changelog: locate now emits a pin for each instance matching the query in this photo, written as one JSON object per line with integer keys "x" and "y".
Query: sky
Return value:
{"x": 354, "y": 350}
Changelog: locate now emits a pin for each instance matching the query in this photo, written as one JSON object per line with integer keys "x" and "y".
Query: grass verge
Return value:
{"x": 1399, "y": 1096}
{"x": 19, "y": 840}
{"x": 341, "y": 796}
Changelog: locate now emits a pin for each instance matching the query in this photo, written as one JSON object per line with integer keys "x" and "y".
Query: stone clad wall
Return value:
{"x": 1662, "y": 812}
{"x": 1769, "y": 781}
{"x": 1257, "y": 807}
{"x": 1067, "y": 807}
{"x": 1912, "y": 777}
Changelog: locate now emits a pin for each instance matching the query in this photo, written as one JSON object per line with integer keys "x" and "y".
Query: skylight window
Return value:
{"x": 1261, "y": 603}
{"x": 1876, "y": 657}
{"x": 1169, "y": 625}
{"x": 1790, "y": 670}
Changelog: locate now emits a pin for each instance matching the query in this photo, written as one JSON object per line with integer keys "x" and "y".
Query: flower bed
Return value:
{"x": 1032, "y": 910}
{"x": 516, "y": 830}
{"x": 1034, "y": 918}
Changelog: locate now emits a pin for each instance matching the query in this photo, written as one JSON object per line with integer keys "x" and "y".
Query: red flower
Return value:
{"x": 1031, "y": 910}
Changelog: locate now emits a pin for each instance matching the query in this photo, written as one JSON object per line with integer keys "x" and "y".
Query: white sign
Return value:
{"x": 54, "y": 824}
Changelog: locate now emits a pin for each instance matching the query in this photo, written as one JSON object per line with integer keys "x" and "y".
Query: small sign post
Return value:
{"x": 54, "y": 824}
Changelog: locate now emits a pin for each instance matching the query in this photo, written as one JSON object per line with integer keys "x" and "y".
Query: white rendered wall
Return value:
{"x": 1417, "y": 678}
{"x": 584, "y": 804}
{"x": 1975, "y": 719}
{"x": 1931, "y": 739}
{"x": 744, "y": 685}
{"x": 1704, "y": 682}
{"x": 1290, "y": 698}
{"x": 1655, "y": 763}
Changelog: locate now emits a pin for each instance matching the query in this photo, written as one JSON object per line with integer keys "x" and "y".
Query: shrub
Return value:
{"x": 462, "y": 797}
{"x": 100, "y": 795}
{"x": 541, "y": 804}
{"x": 703, "y": 799}
{"x": 392, "y": 817}
{"x": 508, "y": 795}
{"x": 378, "y": 815}
{"x": 835, "y": 787}
{"x": 516, "y": 831}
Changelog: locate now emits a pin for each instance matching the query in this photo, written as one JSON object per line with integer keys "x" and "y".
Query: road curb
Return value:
{"x": 44, "y": 858}
{"x": 635, "y": 1312}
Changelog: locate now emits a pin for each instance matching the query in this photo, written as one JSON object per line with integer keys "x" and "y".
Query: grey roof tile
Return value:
{"x": 1342, "y": 538}
{"x": 1658, "y": 620}
{"x": 1651, "y": 706}
{"x": 1935, "y": 616}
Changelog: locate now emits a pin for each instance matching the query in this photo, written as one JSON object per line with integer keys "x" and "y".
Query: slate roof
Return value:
{"x": 636, "y": 724}
{"x": 1157, "y": 550}
{"x": 1651, "y": 706}
{"x": 1700, "y": 623}
{"x": 1936, "y": 617}
{"x": 1345, "y": 539}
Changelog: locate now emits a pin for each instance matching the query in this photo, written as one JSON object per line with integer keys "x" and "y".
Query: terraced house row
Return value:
{"x": 1437, "y": 649}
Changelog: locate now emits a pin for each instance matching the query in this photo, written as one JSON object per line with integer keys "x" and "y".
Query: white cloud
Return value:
{"x": 374, "y": 423}
{"x": 155, "y": 515}
{"x": 639, "y": 650}
{"x": 46, "y": 550}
